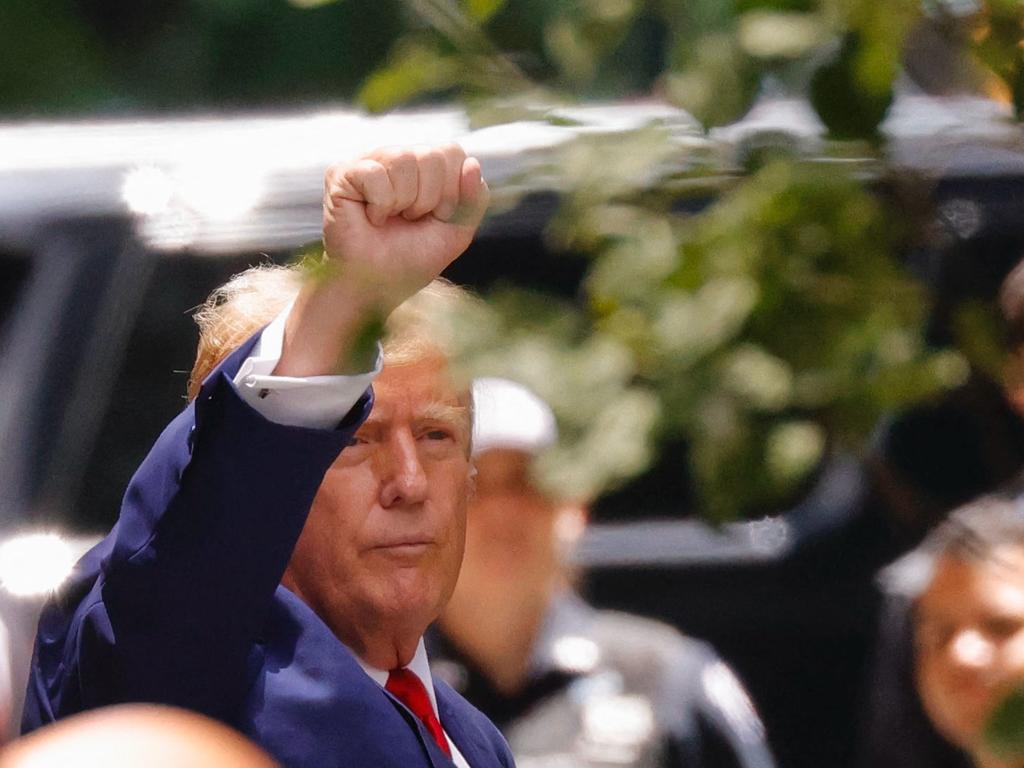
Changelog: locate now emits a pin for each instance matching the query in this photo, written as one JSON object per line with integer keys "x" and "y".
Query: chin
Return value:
{"x": 412, "y": 600}
{"x": 963, "y": 729}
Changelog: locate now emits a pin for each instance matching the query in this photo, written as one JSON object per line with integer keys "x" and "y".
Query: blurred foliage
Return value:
{"x": 770, "y": 326}
{"x": 101, "y": 56}
{"x": 761, "y": 311}
{"x": 775, "y": 324}
{"x": 1003, "y": 731}
{"x": 711, "y": 57}
{"x": 587, "y": 376}
{"x": 754, "y": 304}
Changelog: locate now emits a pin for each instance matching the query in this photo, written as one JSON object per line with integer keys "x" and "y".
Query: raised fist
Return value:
{"x": 393, "y": 221}
{"x": 396, "y": 218}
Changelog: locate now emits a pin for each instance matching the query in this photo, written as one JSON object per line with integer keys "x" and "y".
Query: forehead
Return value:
{"x": 423, "y": 388}
{"x": 961, "y": 586}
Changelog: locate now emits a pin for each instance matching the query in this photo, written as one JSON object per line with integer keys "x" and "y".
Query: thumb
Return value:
{"x": 474, "y": 196}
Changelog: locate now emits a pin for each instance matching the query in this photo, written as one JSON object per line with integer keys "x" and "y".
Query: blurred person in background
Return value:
{"x": 566, "y": 683}
{"x": 938, "y": 458}
{"x": 969, "y": 624}
{"x": 282, "y": 549}
{"x": 964, "y": 649}
{"x": 135, "y": 736}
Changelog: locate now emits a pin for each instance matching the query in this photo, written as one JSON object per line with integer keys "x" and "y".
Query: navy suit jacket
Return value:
{"x": 181, "y": 604}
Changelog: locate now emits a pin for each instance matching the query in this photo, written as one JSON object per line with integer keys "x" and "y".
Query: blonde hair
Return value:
{"x": 421, "y": 326}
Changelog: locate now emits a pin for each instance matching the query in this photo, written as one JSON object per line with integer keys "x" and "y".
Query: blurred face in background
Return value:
{"x": 511, "y": 524}
{"x": 516, "y": 535}
{"x": 969, "y": 638}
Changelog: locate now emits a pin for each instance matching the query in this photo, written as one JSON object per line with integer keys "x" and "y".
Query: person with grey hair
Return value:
{"x": 934, "y": 459}
{"x": 569, "y": 684}
{"x": 956, "y": 639}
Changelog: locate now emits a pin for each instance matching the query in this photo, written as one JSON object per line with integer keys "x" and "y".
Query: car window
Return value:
{"x": 14, "y": 272}
{"x": 149, "y": 389}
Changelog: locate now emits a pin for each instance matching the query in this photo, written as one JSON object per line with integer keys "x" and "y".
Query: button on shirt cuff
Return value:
{"x": 316, "y": 402}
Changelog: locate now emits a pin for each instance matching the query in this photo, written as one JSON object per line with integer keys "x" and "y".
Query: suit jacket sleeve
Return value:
{"x": 167, "y": 608}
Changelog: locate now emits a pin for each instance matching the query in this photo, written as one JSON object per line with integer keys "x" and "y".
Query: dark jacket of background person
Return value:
{"x": 897, "y": 731}
{"x": 609, "y": 687}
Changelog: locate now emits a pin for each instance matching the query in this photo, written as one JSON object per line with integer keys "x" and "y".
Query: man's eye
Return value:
{"x": 356, "y": 440}
{"x": 1002, "y": 627}
{"x": 437, "y": 434}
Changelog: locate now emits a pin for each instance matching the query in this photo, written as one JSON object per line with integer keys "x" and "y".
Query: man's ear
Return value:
{"x": 471, "y": 484}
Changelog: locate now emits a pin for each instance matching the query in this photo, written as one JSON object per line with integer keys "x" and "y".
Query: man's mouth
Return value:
{"x": 404, "y": 547}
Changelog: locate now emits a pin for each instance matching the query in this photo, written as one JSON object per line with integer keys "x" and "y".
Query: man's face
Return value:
{"x": 385, "y": 535}
{"x": 969, "y": 635}
{"x": 511, "y": 524}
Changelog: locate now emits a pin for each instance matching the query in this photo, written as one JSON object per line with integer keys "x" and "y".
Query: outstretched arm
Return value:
{"x": 208, "y": 524}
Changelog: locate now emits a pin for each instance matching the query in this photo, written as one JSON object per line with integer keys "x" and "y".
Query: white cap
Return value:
{"x": 508, "y": 415}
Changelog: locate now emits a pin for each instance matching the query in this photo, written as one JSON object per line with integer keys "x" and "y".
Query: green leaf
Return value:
{"x": 413, "y": 70}
{"x": 717, "y": 82}
{"x": 850, "y": 107}
{"x": 977, "y": 329}
{"x": 793, "y": 450}
{"x": 1004, "y": 732}
{"x": 482, "y": 10}
{"x": 777, "y": 35}
{"x": 744, "y": 6}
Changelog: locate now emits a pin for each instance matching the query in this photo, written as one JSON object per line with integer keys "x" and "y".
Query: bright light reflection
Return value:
{"x": 147, "y": 190}
{"x": 617, "y": 727}
{"x": 171, "y": 230}
{"x": 34, "y": 564}
{"x": 576, "y": 654}
{"x": 724, "y": 691}
{"x": 221, "y": 191}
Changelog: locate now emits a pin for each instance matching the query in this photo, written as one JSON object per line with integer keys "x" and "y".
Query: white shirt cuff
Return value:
{"x": 317, "y": 402}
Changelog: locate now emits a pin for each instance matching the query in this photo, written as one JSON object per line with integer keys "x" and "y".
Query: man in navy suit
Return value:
{"x": 284, "y": 546}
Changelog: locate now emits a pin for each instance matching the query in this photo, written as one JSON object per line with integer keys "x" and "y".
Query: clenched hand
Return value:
{"x": 393, "y": 220}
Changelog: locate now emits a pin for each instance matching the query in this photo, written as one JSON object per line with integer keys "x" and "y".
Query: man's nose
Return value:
{"x": 404, "y": 480}
{"x": 971, "y": 649}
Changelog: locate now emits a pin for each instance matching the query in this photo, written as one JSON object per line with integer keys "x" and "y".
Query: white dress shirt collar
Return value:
{"x": 419, "y": 666}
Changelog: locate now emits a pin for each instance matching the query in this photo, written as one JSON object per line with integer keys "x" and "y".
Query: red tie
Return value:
{"x": 407, "y": 688}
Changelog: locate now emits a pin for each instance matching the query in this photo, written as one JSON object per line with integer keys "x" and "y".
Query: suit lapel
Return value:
{"x": 321, "y": 691}
{"x": 438, "y": 759}
{"x": 460, "y": 722}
